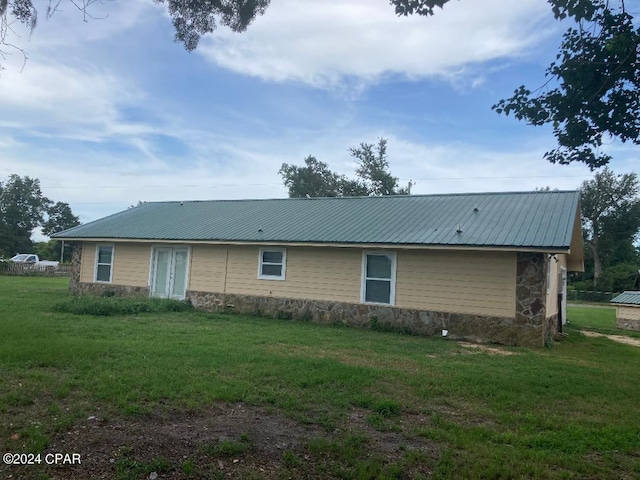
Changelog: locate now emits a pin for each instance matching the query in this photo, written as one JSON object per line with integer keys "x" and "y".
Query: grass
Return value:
{"x": 568, "y": 411}
{"x": 597, "y": 319}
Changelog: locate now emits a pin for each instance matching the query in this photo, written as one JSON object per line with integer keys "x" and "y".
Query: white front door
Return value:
{"x": 169, "y": 277}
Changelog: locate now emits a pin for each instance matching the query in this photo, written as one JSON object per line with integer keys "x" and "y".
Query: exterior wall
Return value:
{"x": 479, "y": 283}
{"x": 130, "y": 263}
{"x": 208, "y": 267}
{"x": 493, "y": 296}
{"x": 478, "y": 328}
{"x": 331, "y": 274}
{"x": 628, "y": 317}
{"x": 531, "y": 294}
{"x": 88, "y": 261}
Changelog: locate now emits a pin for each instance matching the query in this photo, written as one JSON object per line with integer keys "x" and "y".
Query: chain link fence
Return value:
{"x": 590, "y": 296}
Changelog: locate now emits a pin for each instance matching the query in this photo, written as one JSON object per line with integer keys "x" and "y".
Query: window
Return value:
{"x": 273, "y": 263}
{"x": 378, "y": 277}
{"x": 104, "y": 263}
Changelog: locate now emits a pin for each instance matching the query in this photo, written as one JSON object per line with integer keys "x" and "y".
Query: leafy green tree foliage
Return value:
{"x": 60, "y": 217}
{"x": 47, "y": 250}
{"x": 23, "y": 208}
{"x": 191, "y": 18}
{"x": 597, "y": 84}
{"x": 22, "y": 203}
{"x": 316, "y": 179}
{"x": 594, "y": 84}
{"x": 610, "y": 219}
{"x": 373, "y": 169}
{"x": 194, "y": 18}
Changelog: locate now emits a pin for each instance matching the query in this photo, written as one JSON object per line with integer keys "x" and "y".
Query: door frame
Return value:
{"x": 152, "y": 269}
{"x": 563, "y": 300}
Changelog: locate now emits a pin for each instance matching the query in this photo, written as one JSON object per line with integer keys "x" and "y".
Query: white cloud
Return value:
{"x": 47, "y": 95}
{"x": 325, "y": 43}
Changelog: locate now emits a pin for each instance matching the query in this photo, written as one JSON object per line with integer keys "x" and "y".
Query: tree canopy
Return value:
{"x": 591, "y": 95}
{"x": 191, "y": 19}
{"x": 611, "y": 220}
{"x": 316, "y": 179}
{"x": 23, "y": 208}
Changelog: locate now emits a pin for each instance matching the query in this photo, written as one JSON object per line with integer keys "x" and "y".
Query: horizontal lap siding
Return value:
{"x": 131, "y": 264}
{"x": 331, "y": 274}
{"x": 207, "y": 269}
{"x": 88, "y": 262}
{"x": 629, "y": 313}
{"x": 459, "y": 282}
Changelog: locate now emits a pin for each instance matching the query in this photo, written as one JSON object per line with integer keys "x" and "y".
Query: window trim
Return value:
{"x": 363, "y": 277}
{"x": 95, "y": 268}
{"x": 280, "y": 277}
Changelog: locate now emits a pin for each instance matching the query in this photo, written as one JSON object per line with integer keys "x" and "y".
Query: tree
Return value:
{"x": 191, "y": 19}
{"x": 23, "y": 208}
{"x": 60, "y": 217}
{"x": 596, "y": 76}
{"x": 610, "y": 218}
{"x": 316, "y": 179}
{"x": 373, "y": 169}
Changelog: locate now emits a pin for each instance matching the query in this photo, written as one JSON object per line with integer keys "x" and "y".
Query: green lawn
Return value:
{"x": 597, "y": 319}
{"x": 567, "y": 411}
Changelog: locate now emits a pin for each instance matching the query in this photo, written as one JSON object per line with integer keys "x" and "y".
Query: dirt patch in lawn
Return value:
{"x": 616, "y": 338}
{"x": 225, "y": 441}
{"x": 487, "y": 349}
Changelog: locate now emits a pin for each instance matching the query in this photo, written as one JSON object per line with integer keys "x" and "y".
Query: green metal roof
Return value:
{"x": 521, "y": 219}
{"x": 627, "y": 298}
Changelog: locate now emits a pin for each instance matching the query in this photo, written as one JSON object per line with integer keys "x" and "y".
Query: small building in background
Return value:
{"x": 627, "y": 310}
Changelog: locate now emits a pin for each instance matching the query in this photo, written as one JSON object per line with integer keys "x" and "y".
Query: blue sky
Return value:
{"x": 111, "y": 111}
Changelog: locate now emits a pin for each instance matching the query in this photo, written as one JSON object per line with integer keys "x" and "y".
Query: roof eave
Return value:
{"x": 409, "y": 246}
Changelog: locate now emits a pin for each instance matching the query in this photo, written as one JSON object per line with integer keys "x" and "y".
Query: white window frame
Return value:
{"x": 282, "y": 276}
{"x": 364, "y": 278}
{"x": 95, "y": 268}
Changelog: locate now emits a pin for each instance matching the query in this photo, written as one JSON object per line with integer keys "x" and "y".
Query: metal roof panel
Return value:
{"x": 514, "y": 219}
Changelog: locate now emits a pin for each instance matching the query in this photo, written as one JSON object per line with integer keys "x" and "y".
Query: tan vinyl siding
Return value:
{"x": 460, "y": 282}
{"x": 131, "y": 264}
{"x": 88, "y": 262}
{"x": 311, "y": 273}
{"x": 629, "y": 313}
{"x": 207, "y": 270}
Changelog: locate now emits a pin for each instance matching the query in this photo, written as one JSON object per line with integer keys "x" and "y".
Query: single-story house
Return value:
{"x": 627, "y": 310}
{"x": 488, "y": 267}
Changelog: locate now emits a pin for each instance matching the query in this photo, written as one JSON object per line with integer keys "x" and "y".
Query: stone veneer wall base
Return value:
{"x": 529, "y": 327}
{"x": 477, "y": 328}
{"x": 108, "y": 290}
{"x": 628, "y": 324}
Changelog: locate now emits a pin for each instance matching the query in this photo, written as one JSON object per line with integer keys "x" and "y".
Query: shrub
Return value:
{"x": 109, "y": 306}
